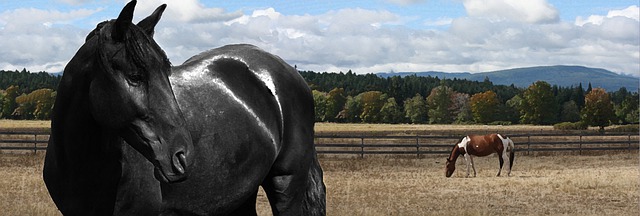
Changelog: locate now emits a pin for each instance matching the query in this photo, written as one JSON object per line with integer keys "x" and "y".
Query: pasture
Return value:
{"x": 394, "y": 185}
{"x": 555, "y": 184}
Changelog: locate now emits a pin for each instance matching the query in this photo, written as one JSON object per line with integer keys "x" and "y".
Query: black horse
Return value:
{"x": 133, "y": 135}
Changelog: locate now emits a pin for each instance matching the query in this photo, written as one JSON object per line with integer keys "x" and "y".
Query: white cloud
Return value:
{"x": 348, "y": 39}
{"x": 40, "y": 39}
{"x": 530, "y": 11}
{"x": 631, "y": 12}
{"x": 405, "y": 2}
{"x": 186, "y": 11}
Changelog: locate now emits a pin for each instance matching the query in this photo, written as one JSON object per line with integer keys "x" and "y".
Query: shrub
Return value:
{"x": 500, "y": 123}
{"x": 633, "y": 128}
{"x": 570, "y": 126}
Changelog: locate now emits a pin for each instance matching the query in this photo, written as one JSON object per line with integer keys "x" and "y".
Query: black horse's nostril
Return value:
{"x": 179, "y": 162}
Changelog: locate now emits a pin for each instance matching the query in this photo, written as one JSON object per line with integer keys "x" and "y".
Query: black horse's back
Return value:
{"x": 270, "y": 108}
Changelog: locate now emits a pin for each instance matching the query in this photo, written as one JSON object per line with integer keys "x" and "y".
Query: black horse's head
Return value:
{"x": 130, "y": 92}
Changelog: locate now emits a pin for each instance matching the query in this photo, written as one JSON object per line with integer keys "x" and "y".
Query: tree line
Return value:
{"x": 368, "y": 98}
{"x": 350, "y": 97}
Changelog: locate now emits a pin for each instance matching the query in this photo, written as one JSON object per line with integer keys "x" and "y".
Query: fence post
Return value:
{"x": 35, "y": 143}
{"x": 580, "y": 148}
{"x": 528, "y": 143}
{"x": 629, "y": 147}
{"x": 362, "y": 146}
{"x": 417, "y": 146}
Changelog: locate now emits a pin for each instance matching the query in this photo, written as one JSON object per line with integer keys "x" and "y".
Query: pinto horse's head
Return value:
{"x": 131, "y": 94}
{"x": 449, "y": 167}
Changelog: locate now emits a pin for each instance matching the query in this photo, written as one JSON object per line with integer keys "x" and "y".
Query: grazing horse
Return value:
{"x": 481, "y": 145}
{"x": 132, "y": 135}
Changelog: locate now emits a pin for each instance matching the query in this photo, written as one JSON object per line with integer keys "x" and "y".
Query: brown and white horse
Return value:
{"x": 481, "y": 145}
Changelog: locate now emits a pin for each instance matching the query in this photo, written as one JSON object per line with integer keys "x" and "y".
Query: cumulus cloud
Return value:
{"x": 355, "y": 39}
{"x": 186, "y": 11}
{"x": 40, "y": 40}
{"x": 631, "y": 12}
{"x": 531, "y": 11}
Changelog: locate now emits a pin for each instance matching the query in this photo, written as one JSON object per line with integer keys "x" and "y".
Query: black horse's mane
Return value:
{"x": 141, "y": 49}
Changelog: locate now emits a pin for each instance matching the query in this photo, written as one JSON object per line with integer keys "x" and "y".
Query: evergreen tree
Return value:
{"x": 440, "y": 103}
{"x": 538, "y": 104}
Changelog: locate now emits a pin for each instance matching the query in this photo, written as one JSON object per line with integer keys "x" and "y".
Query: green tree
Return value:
{"x": 598, "y": 109}
{"x": 538, "y": 104}
{"x": 320, "y": 103}
{"x": 440, "y": 103}
{"x": 514, "y": 106}
{"x": 415, "y": 109}
{"x": 352, "y": 109}
{"x": 627, "y": 111}
{"x": 570, "y": 112}
{"x": 390, "y": 112}
{"x": 335, "y": 103}
{"x": 484, "y": 106}
{"x": 9, "y": 104}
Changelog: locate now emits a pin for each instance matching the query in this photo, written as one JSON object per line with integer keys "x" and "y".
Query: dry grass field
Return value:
{"x": 558, "y": 184}
{"x": 394, "y": 185}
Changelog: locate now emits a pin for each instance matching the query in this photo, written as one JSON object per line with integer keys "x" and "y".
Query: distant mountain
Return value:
{"x": 560, "y": 75}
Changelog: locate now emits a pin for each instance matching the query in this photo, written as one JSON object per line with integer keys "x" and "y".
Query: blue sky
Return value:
{"x": 358, "y": 35}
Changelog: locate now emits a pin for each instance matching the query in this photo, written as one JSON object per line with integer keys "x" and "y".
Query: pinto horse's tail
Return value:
{"x": 314, "y": 202}
{"x": 512, "y": 152}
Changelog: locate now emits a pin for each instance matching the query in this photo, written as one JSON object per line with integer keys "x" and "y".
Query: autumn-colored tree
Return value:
{"x": 9, "y": 104}
{"x": 484, "y": 106}
{"x": 538, "y": 104}
{"x": 598, "y": 109}
{"x": 415, "y": 109}
{"x": 372, "y": 102}
{"x": 335, "y": 103}
{"x": 37, "y": 104}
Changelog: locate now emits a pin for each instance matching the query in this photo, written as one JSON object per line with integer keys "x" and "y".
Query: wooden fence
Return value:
{"x": 407, "y": 145}
{"x": 442, "y": 144}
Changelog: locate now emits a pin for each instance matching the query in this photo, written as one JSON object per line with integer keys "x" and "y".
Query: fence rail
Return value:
{"x": 403, "y": 145}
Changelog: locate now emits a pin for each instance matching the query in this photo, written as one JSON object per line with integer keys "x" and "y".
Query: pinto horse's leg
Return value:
{"x": 472, "y": 166}
{"x": 500, "y": 158}
{"x": 469, "y": 159}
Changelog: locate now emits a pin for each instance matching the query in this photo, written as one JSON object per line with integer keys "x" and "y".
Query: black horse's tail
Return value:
{"x": 314, "y": 202}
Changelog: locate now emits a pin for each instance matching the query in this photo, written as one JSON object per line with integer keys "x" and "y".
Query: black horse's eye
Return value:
{"x": 136, "y": 78}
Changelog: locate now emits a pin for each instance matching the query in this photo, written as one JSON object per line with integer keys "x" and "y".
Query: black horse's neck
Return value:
{"x": 82, "y": 166}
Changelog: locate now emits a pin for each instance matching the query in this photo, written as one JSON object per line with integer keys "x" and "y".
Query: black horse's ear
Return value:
{"x": 148, "y": 24}
{"x": 121, "y": 26}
